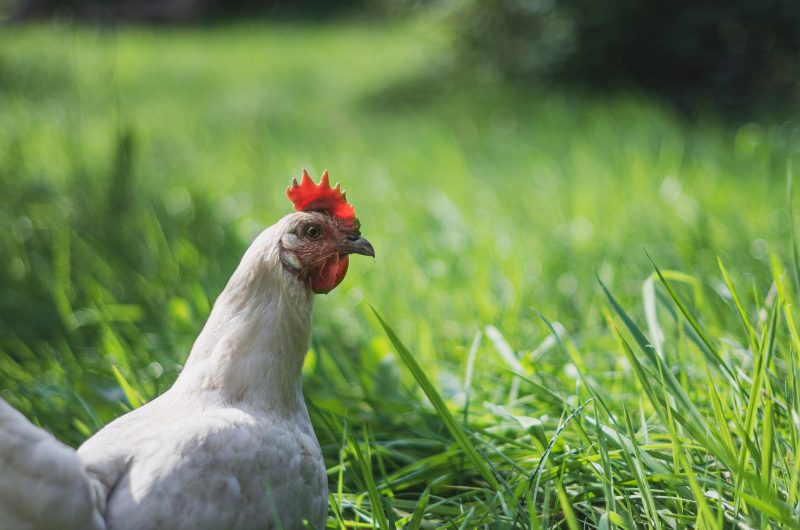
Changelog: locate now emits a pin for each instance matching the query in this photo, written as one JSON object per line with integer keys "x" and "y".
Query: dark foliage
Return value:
{"x": 181, "y": 11}
{"x": 740, "y": 54}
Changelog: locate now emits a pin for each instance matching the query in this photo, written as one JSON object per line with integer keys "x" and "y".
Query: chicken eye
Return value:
{"x": 313, "y": 231}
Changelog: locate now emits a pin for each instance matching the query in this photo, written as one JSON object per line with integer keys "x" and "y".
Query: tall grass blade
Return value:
{"x": 375, "y": 498}
{"x": 134, "y": 398}
{"x": 711, "y": 348}
{"x": 456, "y": 431}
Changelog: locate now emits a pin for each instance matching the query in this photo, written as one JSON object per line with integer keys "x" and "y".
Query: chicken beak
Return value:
{"x": 355, "y": 244}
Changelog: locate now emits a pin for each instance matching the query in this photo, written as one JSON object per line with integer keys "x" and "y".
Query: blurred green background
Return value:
{"x": 138, "y": 161}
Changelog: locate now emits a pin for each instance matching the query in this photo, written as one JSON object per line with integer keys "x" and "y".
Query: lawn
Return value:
{"x": 514, "y": 390}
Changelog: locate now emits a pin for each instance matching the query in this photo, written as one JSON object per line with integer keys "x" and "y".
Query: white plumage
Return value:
{"x": 229, "y": 446}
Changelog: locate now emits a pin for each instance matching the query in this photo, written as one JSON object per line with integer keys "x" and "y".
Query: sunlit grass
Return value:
{"x": 513, "y": 389}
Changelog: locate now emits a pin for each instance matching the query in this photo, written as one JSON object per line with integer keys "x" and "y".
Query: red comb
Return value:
{"x": 308, "y": 197}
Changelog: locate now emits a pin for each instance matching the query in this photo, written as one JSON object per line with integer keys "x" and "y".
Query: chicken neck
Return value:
{"x": 250, "y": 352}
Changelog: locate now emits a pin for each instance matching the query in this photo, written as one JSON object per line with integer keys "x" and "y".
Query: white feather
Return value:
{"x": 43, "y": 484}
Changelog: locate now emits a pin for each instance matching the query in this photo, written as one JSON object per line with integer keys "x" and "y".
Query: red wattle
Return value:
{"x": 330, "y": 275}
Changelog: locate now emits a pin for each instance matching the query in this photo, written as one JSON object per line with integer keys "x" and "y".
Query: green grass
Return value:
{"x": 502, "y": 384}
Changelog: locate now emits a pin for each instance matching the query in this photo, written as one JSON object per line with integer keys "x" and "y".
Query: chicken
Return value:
{"x": 230, "y": 444}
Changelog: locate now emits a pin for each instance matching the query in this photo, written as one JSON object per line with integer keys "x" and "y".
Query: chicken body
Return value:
{"x": 222, "y": 467}
{"x": 229, "y": 446}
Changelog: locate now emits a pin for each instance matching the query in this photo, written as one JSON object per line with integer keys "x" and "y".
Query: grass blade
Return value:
{"x": 455, "y": 429}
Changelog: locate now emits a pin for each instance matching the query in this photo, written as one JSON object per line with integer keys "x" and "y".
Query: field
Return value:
{"x": 589, "y": 301}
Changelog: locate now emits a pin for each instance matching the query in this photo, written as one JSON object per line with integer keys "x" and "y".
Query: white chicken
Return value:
{"x": 230, "y": 445}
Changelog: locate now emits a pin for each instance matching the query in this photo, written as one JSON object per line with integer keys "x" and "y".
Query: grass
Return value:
{"x": 527, "y": 364}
